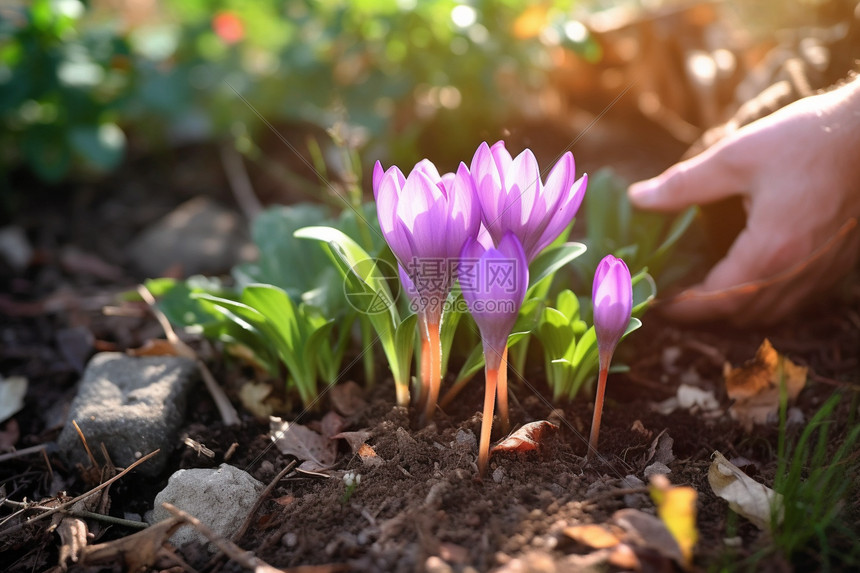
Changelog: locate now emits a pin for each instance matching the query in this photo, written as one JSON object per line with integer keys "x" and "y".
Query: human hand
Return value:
{"x": 798, "y": 171}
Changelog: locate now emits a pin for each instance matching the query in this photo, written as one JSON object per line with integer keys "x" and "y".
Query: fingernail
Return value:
{"x": 643, "y": 193}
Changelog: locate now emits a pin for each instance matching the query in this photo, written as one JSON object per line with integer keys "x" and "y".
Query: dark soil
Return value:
{"x": 422, "y": 507}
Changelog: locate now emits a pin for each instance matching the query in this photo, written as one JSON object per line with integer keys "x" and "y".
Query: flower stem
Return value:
{"x": 502, "y": 393}
{"x": 487, "y": 419}
{"x": 598, "y": 408}
{"x": 424, "y": 376}
{"x": 434, "y": 374}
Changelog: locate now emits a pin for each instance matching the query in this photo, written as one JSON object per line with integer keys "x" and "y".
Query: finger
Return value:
{"x": 723, "y": 293}
{"x": 821, "y": 275}
{"x": 716, "y": 173}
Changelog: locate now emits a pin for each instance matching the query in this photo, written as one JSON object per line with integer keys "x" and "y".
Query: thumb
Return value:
{"x": 714, "y": 174}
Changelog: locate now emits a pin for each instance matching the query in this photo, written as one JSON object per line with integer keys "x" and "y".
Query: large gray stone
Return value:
{"x": 133, "y": 405}
{"x": 198, "y": 237}
{"x": 220, "y": 498}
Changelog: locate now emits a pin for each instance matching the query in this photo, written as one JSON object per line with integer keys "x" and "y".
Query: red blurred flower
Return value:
{"x": 228, "y": 26}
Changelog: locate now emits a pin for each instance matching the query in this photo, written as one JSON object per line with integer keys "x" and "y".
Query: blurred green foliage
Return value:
{"x": 77, "y": 77}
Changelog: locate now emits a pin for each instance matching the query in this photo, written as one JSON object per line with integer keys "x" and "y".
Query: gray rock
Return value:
{"x": 199, "y": 236}
{"x": 15, "y": 249}
{"x": 656, "y": 468}
{"x": 220, "y": 498}
{"x": 132, "y": 405}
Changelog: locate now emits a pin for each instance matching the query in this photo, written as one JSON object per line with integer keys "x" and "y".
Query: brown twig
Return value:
{"x": 66, "y": 505}
{"x": 225, "y": 408}
{"x": 22, "y": 452}
{"x": 250, "y": 518}
{"x": 230, "y": 549}
{"x": 240, "y": 183}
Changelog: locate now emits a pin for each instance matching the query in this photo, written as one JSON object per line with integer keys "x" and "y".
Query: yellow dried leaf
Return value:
{"x": 676, "y": 506}
{"x": 755, "y": 386}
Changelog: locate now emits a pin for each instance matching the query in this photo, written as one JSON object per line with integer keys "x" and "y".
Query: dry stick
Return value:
{"x": 225, "y": 408}
{"x": 90, "y": 455}
{"x": 247, "y": 523}
{"x": 22, "y": 452}
{"x": 22, "y": 505}
{"x": 240, "y": 183}
{"x": 233, "y": 551}
{"x": 95, "y": 490}
{"x": 487, "y": 420}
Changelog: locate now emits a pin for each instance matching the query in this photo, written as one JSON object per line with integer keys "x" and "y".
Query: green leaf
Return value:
{"x": 551, "y": 260}
{"x": 475, "y": 361}
{"x": 568, "y": 304}
{"x": 644, "y": 292}
{"x": 282, "y": 255}
{"x": 404, "y": 340}
{"x": 358, "y": 267}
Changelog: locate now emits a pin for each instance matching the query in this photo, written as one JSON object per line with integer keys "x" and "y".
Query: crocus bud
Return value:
{"x": 612, "y": 297}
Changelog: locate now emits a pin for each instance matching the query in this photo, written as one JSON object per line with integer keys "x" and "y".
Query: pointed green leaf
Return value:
{"x": 551, "y": 260}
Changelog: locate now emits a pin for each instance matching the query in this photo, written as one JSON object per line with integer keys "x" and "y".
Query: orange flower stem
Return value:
{"x": 598, "y": 409}
{"x": 502, "y": 394}
{"x": 425, "y": 371}
{"x": 434, "y": 375}
{"x": 487, "y": 420}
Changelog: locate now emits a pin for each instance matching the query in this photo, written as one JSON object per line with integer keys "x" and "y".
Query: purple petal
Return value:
{"x": 612, "y": 299}
{"x": 378, "y": 172}
{"x": 428, "y": 168}
{"x": 406, "y": 282}
{"x": 559, "y": 181}
{"x": 464, "y": 211}
{"x": 524, "y": 184}
{"x": 494, "y": 283}
{"x": 562, "y": 215}
{"x": 387, "y": 199}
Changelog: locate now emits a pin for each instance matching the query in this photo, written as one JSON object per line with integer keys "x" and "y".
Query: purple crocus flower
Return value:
{"x": 494, "y": 283}
{"x": 513, "y": 197}
{"x": 426, "y": 219}
{"x": 612, "y": 299}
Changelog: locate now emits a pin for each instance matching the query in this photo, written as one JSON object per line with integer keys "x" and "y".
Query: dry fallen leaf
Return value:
{"x": 526, "y": 438}
{"x": 347, "y": 398}
{"x": 253, "y": 397}
{"x": 755, "y": 386}
{"x": 354, "y": 439}
{"x": 645, "y": 530}
{"x": 746, "y": 496}
{"x": 369, "y": 456}
{"x": 676, "y": 506}
{"x": 592, "y": 535}
{"x": 12, "y": 392}
{"x": 331, "y": 425}
{"x": 316, "y": 451}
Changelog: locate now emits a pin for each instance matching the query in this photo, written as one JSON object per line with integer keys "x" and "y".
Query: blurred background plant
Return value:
{"x": 79, "y": 78}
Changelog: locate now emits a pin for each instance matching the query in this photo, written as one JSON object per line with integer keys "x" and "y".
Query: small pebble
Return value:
{"x": 498, "y": 475}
